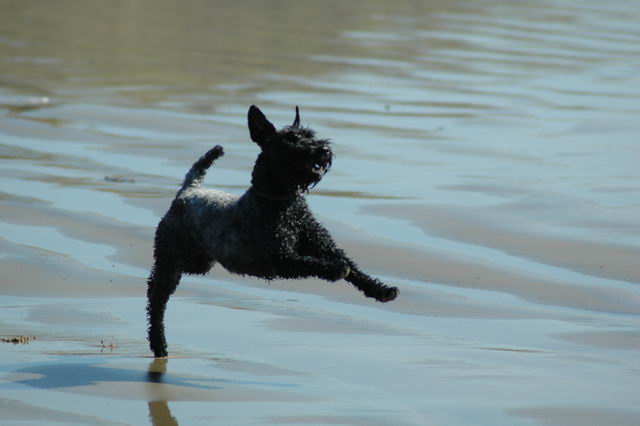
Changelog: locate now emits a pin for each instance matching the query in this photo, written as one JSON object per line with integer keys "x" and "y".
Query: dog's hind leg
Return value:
{"x": 162, "y": 283}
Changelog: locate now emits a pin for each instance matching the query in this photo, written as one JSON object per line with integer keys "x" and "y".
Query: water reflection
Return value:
{"x": 159, "y": 411}
{"x": 160, "y": 414}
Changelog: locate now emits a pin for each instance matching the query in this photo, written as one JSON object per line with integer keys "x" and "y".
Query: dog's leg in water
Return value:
{"x": 162, "y": 283}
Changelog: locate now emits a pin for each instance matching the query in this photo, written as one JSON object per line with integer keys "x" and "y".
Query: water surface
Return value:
{"x": 486, "y": 164}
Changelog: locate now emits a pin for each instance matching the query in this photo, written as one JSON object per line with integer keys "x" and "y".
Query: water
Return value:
{"x": 486, "y": 163}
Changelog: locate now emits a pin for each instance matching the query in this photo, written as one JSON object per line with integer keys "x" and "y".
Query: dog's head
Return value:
{"x": 292, "y": 159}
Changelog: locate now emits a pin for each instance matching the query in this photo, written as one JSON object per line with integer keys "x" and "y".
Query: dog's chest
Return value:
{"x": 256, "y": 237}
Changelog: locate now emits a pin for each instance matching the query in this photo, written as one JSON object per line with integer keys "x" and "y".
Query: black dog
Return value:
{"x": 268, "y": 232}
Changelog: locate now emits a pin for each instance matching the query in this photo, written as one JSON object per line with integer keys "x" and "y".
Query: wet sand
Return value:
{"x": 486, "y": 164}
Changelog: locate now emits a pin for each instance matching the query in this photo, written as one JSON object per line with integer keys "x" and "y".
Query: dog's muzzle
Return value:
{"x": 322, "y": 162}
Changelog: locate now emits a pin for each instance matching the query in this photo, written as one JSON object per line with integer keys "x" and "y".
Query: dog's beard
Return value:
{"x": 314, "y": 172}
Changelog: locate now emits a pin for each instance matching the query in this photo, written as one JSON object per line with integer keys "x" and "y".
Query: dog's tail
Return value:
{"x": 196, "y": 174}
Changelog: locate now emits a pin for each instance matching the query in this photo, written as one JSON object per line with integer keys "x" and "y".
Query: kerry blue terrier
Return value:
{"x": 268, "y": 232}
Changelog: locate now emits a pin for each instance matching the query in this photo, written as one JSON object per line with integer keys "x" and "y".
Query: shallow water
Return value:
{"x": 486, "y": 164}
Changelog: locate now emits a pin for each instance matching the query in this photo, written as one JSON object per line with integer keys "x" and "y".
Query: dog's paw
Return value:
{"x": 217, "y": 151}
{"x": 159, "y": 352}
{"x": 387, "y": 294}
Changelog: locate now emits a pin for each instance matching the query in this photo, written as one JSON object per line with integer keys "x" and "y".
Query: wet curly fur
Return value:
{"x": 268, "y": 232}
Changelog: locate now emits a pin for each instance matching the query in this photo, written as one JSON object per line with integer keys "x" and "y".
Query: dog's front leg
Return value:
{"x": 371, "y": 287}
{"x": 335, "y": 268}
{"x": 294, "y": 265}
{"x": 318, "y": 241}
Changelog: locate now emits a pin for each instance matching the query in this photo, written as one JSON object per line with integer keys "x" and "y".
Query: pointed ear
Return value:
{"x": 259, "y": 127}
{"x": 296, "y": 122}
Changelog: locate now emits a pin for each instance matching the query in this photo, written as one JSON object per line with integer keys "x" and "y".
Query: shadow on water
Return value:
{"x": 162, "y": 385}
{"x": 70, "y": 375}
{"x": 59, "y": 376}
{"x": 52, "y": 376}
